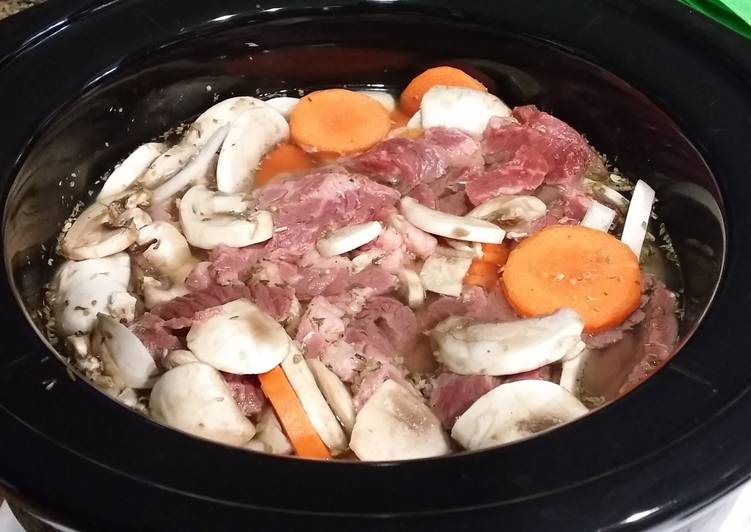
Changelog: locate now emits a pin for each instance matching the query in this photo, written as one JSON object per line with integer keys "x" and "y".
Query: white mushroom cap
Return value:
{"x": 514, "y": 411}
{"x": 513, "y": 213}
{"x": 178, "y": 357}
{"x": 128, "y": 172}
{"x": 450, "y": 225}
{"x": 168, "y": 164}
{"x": 384, "y": 98}
{"x": 91, "y": 237}
{"x": 85, "y": 288}
{"x": 314, "y": 403}
{"x": 336, "y": 393}
{"x": 240, "y": 338}
{"x": 443, "y": 272}
{"x": 283, "y": 105}
{"x": 394, "y": 424}
{"x": 415, "y": 122}
{"x": 196, "y": 172}
{"x": 460, "y": 107}
{"x": 347, "y": 238}
{"x": 156, "y": 291}
{"x": 253, "y": 133}
{"x": 468, "y": 347}
{"x": 270, "y": 437}
{"x": 206, "y": 229}
{"x": 169, "y": 251}
{"x": 219, "y": 115}
{"x": 194, "y": 398}
{"x": 125, "y": 358}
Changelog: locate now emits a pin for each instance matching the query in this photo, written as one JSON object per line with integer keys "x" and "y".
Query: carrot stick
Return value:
{"x": 442, "y": 75}
{"x": 292, "y": 416}
{"x": 484, "y": 270}
{"x": 339, "y": 121}
{"x": 282, "y": 159}
{"x": 576, "y": 267}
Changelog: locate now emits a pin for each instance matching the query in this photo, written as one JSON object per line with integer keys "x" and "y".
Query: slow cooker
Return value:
{"x": 665, "y": 93}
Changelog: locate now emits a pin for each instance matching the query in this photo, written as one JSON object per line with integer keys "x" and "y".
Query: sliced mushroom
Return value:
{"x": 135, "y": 216}
{"x": 394, "y": 424}
{"x": 219, "y": 115}
{"x": 514, "y": 411}
{"x": 444, "y": 271}
{"x": 196, "y": 172}
{"x": 92, "y": 236}
{"x": 168, "y": 164}
{"x": 206, "y": 229}
{"x": 598, "y": 216}
{"x": 85, "y": 288}
{"x": 411, "y": 288}
{"x": 195, "y": 399}
{"x": 449, "y": 225}
{"x": 270, "y": 437}
{"x": 335, "y": 393}
{"x": 348, "y": 238}
{"x": 638, "y": 216}
{"x": 514, "y": 213}
{"x": 415, "y": 122}
{"x": 468, "y": 347}
{"x": 253, "y": 134}
{"x": 156, "y": 291}
{"x": 384, "y": 98}
{"x": 168, "y": 251}
{"x": 572, "y": 372}
{"x": 283, "y": 105}
{"x": 239, "y": 338}
{"x": 313, "y": 402}
{"x": 460, "y": 107}
{"x": 125, "y": 358}
{"x": 605, "y": 194}
{"x": 178, "y": 357}
{"x": 133, "y": 167}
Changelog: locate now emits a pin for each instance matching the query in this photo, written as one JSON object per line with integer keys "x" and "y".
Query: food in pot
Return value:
{"x": 341, "y": 276}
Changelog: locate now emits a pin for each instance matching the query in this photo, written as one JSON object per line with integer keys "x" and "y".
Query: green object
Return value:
{"x": 735, "y": 14}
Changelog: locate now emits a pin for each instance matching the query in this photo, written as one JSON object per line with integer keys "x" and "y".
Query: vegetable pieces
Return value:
{"x": 338, "y": 121}
{"x": 484, "y": 270}
{"x": 292, "y": 416}
{"x": 443, "y": 75}
{"x": 574, "y": 266}
{"x": 285, "y": 158}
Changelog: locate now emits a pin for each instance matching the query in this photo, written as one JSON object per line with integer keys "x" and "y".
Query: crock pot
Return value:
{"x": 665, "y": 93}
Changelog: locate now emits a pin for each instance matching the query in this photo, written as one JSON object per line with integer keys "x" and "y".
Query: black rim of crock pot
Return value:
{"x": 680, "y": 461}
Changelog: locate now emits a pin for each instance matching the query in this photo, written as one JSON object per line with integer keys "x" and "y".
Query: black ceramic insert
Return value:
{"x": 664, "y": 93}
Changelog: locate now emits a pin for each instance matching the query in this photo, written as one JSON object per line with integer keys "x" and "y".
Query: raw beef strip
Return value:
{"x": 473, "y": 302}
{"x": 277, "y": 301}
{"x": 186, "y": 306}
{"x": 406, "y": 163}
{"x": 246, "y": 391}
{"x": 658, "y": 335}
{"x": 304, "y": 208}
{"x": 155, "y": 335}
{"x": 453, "y": 394}
{"x": 522, "y": 174}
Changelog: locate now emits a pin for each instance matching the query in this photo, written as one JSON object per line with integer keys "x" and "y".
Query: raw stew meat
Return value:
{"x": 345, "y": 275}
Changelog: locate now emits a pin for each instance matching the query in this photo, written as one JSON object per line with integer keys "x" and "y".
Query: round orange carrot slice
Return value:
{"x": 282, "y": 159}
{"x": 442, "y": 75}
{"x": 338, "y": 121}
{"x": 576, "y": 267}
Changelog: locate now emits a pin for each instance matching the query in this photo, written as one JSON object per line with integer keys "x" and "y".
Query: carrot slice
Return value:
{"x": 282, "y": 159}
{"x": 577, "y": 267}
{"x": 398, "y": 118}
{"x": 292, "y": 416}
{"x": 495, "y": 253}
{"x": 442, "y": 75}
{"x": 339, "y": 121}
{"x": 484, "y": 270}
